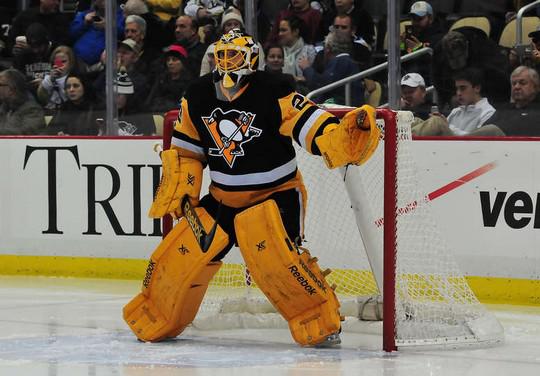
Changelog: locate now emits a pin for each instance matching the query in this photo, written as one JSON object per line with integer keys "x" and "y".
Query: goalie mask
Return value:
{"x": 237, "y": 56}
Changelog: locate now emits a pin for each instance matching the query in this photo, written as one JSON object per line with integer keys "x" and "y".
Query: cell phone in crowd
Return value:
{"x": 58, "y": 63}
{"x": 408, "y": 31}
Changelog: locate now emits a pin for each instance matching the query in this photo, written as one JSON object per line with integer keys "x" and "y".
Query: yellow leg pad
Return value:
{"x": 176, "y": 280}
{"x": 291, "y": 280}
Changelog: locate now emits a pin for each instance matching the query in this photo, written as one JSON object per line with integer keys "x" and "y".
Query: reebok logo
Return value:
{"x": 301, "y": 280}
{"x": 149, "y": 271}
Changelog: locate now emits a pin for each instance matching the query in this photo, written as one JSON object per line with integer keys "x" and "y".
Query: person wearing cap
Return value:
{"x": 423, "y": 32}
{"x": 413, "y": 96}
{"x": 47, "y": 14}
{"x": 34, "y": 61}
{"x": 470, "y": 47}
{"x": 172, "y": 82}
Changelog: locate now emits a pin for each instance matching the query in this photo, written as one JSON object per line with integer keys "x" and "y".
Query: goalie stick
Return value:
{"x": 203, "y": 238}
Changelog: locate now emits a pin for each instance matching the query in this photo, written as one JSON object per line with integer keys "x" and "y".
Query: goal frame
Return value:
{"x": 390, "y": 210}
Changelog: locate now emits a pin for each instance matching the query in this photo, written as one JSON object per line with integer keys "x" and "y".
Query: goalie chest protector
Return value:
{"x": 240, "y": 140}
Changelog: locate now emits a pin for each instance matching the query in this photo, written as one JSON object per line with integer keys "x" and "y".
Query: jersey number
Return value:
{"x": 299, "y": 102}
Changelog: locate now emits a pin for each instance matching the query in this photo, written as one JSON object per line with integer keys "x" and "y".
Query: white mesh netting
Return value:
{"x": 434, "y": 304}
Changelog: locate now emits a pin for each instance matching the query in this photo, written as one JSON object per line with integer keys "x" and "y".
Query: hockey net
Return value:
{"x": 428, "y": 300}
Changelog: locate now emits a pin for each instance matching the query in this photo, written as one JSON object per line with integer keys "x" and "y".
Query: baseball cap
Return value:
{"x": 421, "y": 8}
{"x": 177, "y": 50}
{"x": 413, "y": 80}
{"x": 535, "y": 34}
{"x": 131, "y": 44}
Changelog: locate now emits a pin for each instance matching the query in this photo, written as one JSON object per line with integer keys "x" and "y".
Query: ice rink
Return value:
{"x": 72, "y": 327}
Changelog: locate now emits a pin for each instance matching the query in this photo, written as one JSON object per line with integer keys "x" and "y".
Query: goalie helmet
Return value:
{"x": 237, "y": 56}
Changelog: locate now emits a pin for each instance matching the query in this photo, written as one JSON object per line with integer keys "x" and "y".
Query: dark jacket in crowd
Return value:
{"x": 76, "y": 119}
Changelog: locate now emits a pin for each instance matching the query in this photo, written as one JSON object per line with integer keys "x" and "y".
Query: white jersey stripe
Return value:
{"x": 307, "y": 126}
{"x": 187, "y": 145}
{"x": 254, "y": 178}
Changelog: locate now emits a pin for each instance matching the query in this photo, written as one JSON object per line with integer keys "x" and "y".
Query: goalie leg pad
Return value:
{"x": 291, "y": 280}
{"x": 180, "y": 176}
{"x": 176, "y": 280}
{"x": 354, "y": 140}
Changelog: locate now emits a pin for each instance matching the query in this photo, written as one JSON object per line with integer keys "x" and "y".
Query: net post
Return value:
{"x": 389, "y": 232}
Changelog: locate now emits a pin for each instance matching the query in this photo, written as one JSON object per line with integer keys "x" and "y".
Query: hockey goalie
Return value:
{"x": 240, "y": 123}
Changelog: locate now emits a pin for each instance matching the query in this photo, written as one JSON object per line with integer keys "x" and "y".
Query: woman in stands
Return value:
{"x": 79, "y": 114}
{"x": 51, "y": 91}
{"x": 294, "y": 47}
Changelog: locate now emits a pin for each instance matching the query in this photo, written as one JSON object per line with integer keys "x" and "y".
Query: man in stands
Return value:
{"x": 240, "y": 122}
{"x": 56, "y": 24}
{"x": 469, "y": 47}
{"x": 135, "y": 29}
{"x": 471, "y": 114}
{"x": 186, "y": 33}
{"x": 413, "y": 96}
{"x": 520, "y": 116}
{"x": 362, "y": 22}
{"x": 20, "y": 114}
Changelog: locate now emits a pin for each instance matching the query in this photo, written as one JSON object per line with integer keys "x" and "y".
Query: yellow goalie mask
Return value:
{"x": 236, "y": 55}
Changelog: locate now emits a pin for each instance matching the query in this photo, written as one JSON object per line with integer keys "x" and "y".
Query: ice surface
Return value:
{"x": 61, "y": 326}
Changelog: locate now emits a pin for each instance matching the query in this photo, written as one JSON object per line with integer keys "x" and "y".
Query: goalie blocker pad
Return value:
{"x": 292, "y": 281}
{"x": 176, "y": 280}
{"x": 354, "y": 140}
{"x": 180, "y": 176}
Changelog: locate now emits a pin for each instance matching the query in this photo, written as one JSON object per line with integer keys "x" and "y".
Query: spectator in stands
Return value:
{"x": 413, "y": 96}
{"x": 56, "y": 25}
{"x": 8, "y": 10}
{"x": 19, "y": 112}
{"x": 50, "y": 92}
{"x": 360, "y": 50}
{"x": 79, "y": 114}
{"x": 424, "y": 31}
{"x": 469, "y": 47}
{"x": 131, "y": 120}
{"x": 170, "y": 86}
{"x": 88, "y": 31}
{"x": 203, "y": 10}
{"x": 155, "y": 28}
{"x": 135, "y": 29}
{"x": 186, "y": 34}
{"x": 310, "y": 17}
{"x": 165, "y": 9}
{"x": 471, "y": 114}
{"x": 520, "y": 116}
{"x": 338, "y": 64}
{"x": 363, "y": 24}
{"x": 290, "y": 38}
{"x": 274, "y": 59}
{"x": 34, "y": 62}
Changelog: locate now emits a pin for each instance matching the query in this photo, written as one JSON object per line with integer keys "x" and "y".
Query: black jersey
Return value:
{"x": 247, "y": 143}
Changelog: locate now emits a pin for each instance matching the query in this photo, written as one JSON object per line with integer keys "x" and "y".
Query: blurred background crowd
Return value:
{"x": 476, "y": 77}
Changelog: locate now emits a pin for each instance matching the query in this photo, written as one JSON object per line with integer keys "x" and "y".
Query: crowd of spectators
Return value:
{"x": 52, "y": 60}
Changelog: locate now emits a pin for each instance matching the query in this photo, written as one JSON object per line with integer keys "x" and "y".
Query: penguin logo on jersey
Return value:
{"x": 230, "y": 130}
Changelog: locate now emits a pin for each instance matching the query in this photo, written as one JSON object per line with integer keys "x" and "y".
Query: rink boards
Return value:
{"x": 77, "y": 207}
